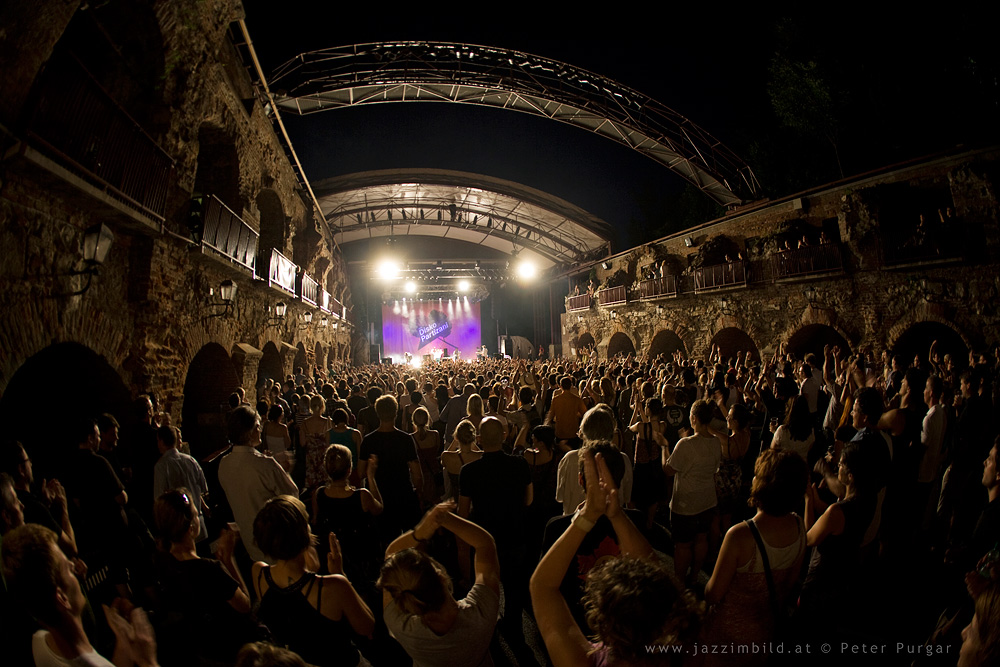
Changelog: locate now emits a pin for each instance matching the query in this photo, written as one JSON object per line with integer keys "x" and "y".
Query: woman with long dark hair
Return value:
{"x": 796, "y": 434}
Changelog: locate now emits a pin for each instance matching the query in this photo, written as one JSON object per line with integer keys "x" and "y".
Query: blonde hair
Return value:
{"x": 417, "y": 583}
{"x": 420, "y": 418}
{"x": 474, "y": 406}
{"x": 317, "y": 405}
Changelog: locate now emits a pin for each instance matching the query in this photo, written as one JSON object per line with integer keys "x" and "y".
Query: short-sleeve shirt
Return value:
{"x": 394, "y": 450}
{"x": 676, "y": 419}
{"x": 696, "y": 460}
{"x": 496, "y": 483}
{"x": 468, "y": 641}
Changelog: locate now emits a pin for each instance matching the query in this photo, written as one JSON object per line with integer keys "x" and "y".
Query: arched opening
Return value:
{"x": 301, "y": 360}
{"x": 813, "y": 337}
{"x": 273, "y": 223}
{"x": 218, "y": 167}
{"x": 620, "y": 343}
{"x": 666, "y": 342}
{"x": 270, "y": 365}
{"x": 917, "y": 340}
{"x": 585, "y": 341}
{"x": 211, "y": 378}
{"x": 319, "y": 355}
{"x": 37, "y": 417}
{"x": 732, "y": 340}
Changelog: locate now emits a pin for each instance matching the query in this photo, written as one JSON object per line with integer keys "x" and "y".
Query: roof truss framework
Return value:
{"x": 464, "y": 207}
{"x": 469, "y": 74}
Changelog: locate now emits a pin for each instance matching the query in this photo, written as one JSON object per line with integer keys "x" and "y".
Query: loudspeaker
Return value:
{"x": 387, "y": 360}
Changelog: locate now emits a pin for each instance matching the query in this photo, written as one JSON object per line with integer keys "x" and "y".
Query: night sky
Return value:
{"x": 897, "y": 88}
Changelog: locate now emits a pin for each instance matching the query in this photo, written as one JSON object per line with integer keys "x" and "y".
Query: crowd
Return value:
{"x": 634, "y": 511}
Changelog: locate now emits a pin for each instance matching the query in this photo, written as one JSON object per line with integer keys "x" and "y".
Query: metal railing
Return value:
{"x": 655, "y": 288}
{"x": 578, "y": 302}
{"x": 805, "y": 261}
{"x": 281, "y": 272}
{"x": 337, "y": 308}
{"x": 228, "y": 234}
{"x": 77, "y": 121}
{"x": 323, "y": 302}
{"x": 731, "y": 274}
{"x": 611, "y": 296}
{"x": 308, "y": 289}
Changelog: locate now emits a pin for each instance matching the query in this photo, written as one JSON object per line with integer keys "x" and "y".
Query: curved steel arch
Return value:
{"x": 460, "y": 206}
{"x": 489, "y": 76}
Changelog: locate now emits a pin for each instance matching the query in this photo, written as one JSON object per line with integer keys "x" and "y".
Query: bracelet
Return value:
{"x": 413, "y": 534}
{"x": 583, "y": 523}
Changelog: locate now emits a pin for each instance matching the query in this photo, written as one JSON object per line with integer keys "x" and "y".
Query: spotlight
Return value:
{"x": 411, "y": 287}
{"x": 463, "y": 285}
{"x": 388, "y": 270}
{"x": 526, "y": 270}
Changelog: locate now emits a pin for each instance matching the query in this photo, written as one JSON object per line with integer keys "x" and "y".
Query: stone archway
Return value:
{"x": 917, "y": 338}
{"x": 301, "y": 359}
{"x": 27, "y": 408}
{"x": 666, "y": 342}
{"x": 211, "y": 378}
{"x": 270, "y": 366}
{"x": 813, "y": 337}
{"x": 585, "y": 340}
{"x": 732, "y": 340}
{"x": 273, "y": 224}
{"x": 218, "y": 170}
{"x": 620, "y": 343}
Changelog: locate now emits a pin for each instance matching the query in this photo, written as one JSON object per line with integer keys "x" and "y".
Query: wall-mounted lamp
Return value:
{"x": 579, "y": 319}
{"x": 659, "y": 310}
{"x": 307, "y": 318}
{"x": 280, "y": 309}
{"x": 810, "y": 294}
{"x": 227, "y": 296}
{"x": 605, "y": 265}
{"x": 726, "y": 306}
{"x": 689, "y": 242}
{"x": 97, "y": 242}
{"x": 614, "y": 314}
{"x": 323, "y": 321}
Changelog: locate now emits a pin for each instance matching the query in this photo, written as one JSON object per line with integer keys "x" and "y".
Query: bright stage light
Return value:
{"x": 411, "y": 287}
{"x": 463, "y": 285}
{"x": 526, "y": 270}
{"x": 388, "y": 269}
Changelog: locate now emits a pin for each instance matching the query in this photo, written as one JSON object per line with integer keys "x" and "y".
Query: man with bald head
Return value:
{"x": 496, "y": 490}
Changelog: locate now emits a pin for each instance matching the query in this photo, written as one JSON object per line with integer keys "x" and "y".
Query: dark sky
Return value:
{"x": 898, "y": 89}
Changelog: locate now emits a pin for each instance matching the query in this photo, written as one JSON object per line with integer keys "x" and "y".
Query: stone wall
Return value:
{"x": 869, "y": 303}
{"x": 154, "y": 304}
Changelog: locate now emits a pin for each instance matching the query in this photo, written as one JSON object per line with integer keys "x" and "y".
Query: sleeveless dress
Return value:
{"x": 454, "y": 489}
{"x": 430, "y": 467}
{"x": 316, "y": 444}
{"x": 729, "y": 481}
{"x": 296, "y": 624}
{"x": 355, "y": 530}
{"x": 649, "y": 482}
{"x": 745, "y": 615}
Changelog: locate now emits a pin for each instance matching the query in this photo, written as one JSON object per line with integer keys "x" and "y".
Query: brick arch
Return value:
{"x": 271, "y": 365}
{"x": 732, "y": 339}
{"x": 219, "y": 171}
{"x": 273, "y": 224}
{"x": 620, "y": 342}
{"x": 301, "y": 358}
{"x": 586, "y": 339}
{"x": 26, "y": 409}
{"x": 666, "y": 341}
{"x": 210, "y": 379}
{"x": 924, "y": 313}
{"x": 319, "y": 356}
{"x": 916, "y": 340}
{"x": 813, "y": 337}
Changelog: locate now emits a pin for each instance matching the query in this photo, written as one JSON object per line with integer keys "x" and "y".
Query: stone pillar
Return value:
{"x": 246, "y": 360}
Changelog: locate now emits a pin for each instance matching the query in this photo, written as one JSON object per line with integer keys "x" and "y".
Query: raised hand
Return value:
{"x": 335, "y": 557}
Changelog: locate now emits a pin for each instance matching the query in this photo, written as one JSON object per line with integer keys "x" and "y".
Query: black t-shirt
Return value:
{"x": 986, "y": 536}
{"x": 676, "y": 418}
{"x": 496, "y": 484}
{"x": 394, "y": 450}
{"x": 357, "y": 404}
{"x": 368, "y": 418}
{"x": 600, "y": 544}
{"x": 94, "y": 487}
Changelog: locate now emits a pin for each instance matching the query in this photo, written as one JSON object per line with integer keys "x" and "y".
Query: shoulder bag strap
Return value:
{"x": 767, "y": 566}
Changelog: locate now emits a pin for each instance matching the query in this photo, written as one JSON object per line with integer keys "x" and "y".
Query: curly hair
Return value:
{"x": 337, "y": 462}
{"x": 417, "y": 583}
{"x": 465, "y": 432}
{"x": 779, "y": 482}
{"x": 632, "y": 603}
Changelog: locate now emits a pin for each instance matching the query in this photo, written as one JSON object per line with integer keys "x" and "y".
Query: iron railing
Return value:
{"x": 308, "y": 289}
{"x": 323, "y": 302}
{"x": 611, "y": 296}
{"x": 84, "y": 128}
{"x": 281, "y": 272}
{"x": 930, "y": 244}
{"x": 730, "y": 274}
{"x": 227, "y": 233}
{"x": 656, "y": 288}
{"x": 806, "y": 261}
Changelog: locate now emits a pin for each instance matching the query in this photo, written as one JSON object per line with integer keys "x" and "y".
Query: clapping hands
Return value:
{"x": 602, "y": 492}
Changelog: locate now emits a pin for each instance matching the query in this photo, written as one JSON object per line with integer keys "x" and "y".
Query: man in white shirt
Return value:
{"x": 597, "y": 425}
{"x": 932, "y": 432}
{"x": 809, "y": 387}
{"x": 248, "y": 477}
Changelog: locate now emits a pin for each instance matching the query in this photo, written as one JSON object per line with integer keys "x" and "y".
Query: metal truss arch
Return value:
{"x": 502, "y": 78}
{"x": 470, "y": 208}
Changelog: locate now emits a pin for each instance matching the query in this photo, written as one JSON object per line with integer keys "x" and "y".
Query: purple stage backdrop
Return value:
{"x": 421, "y": 327}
